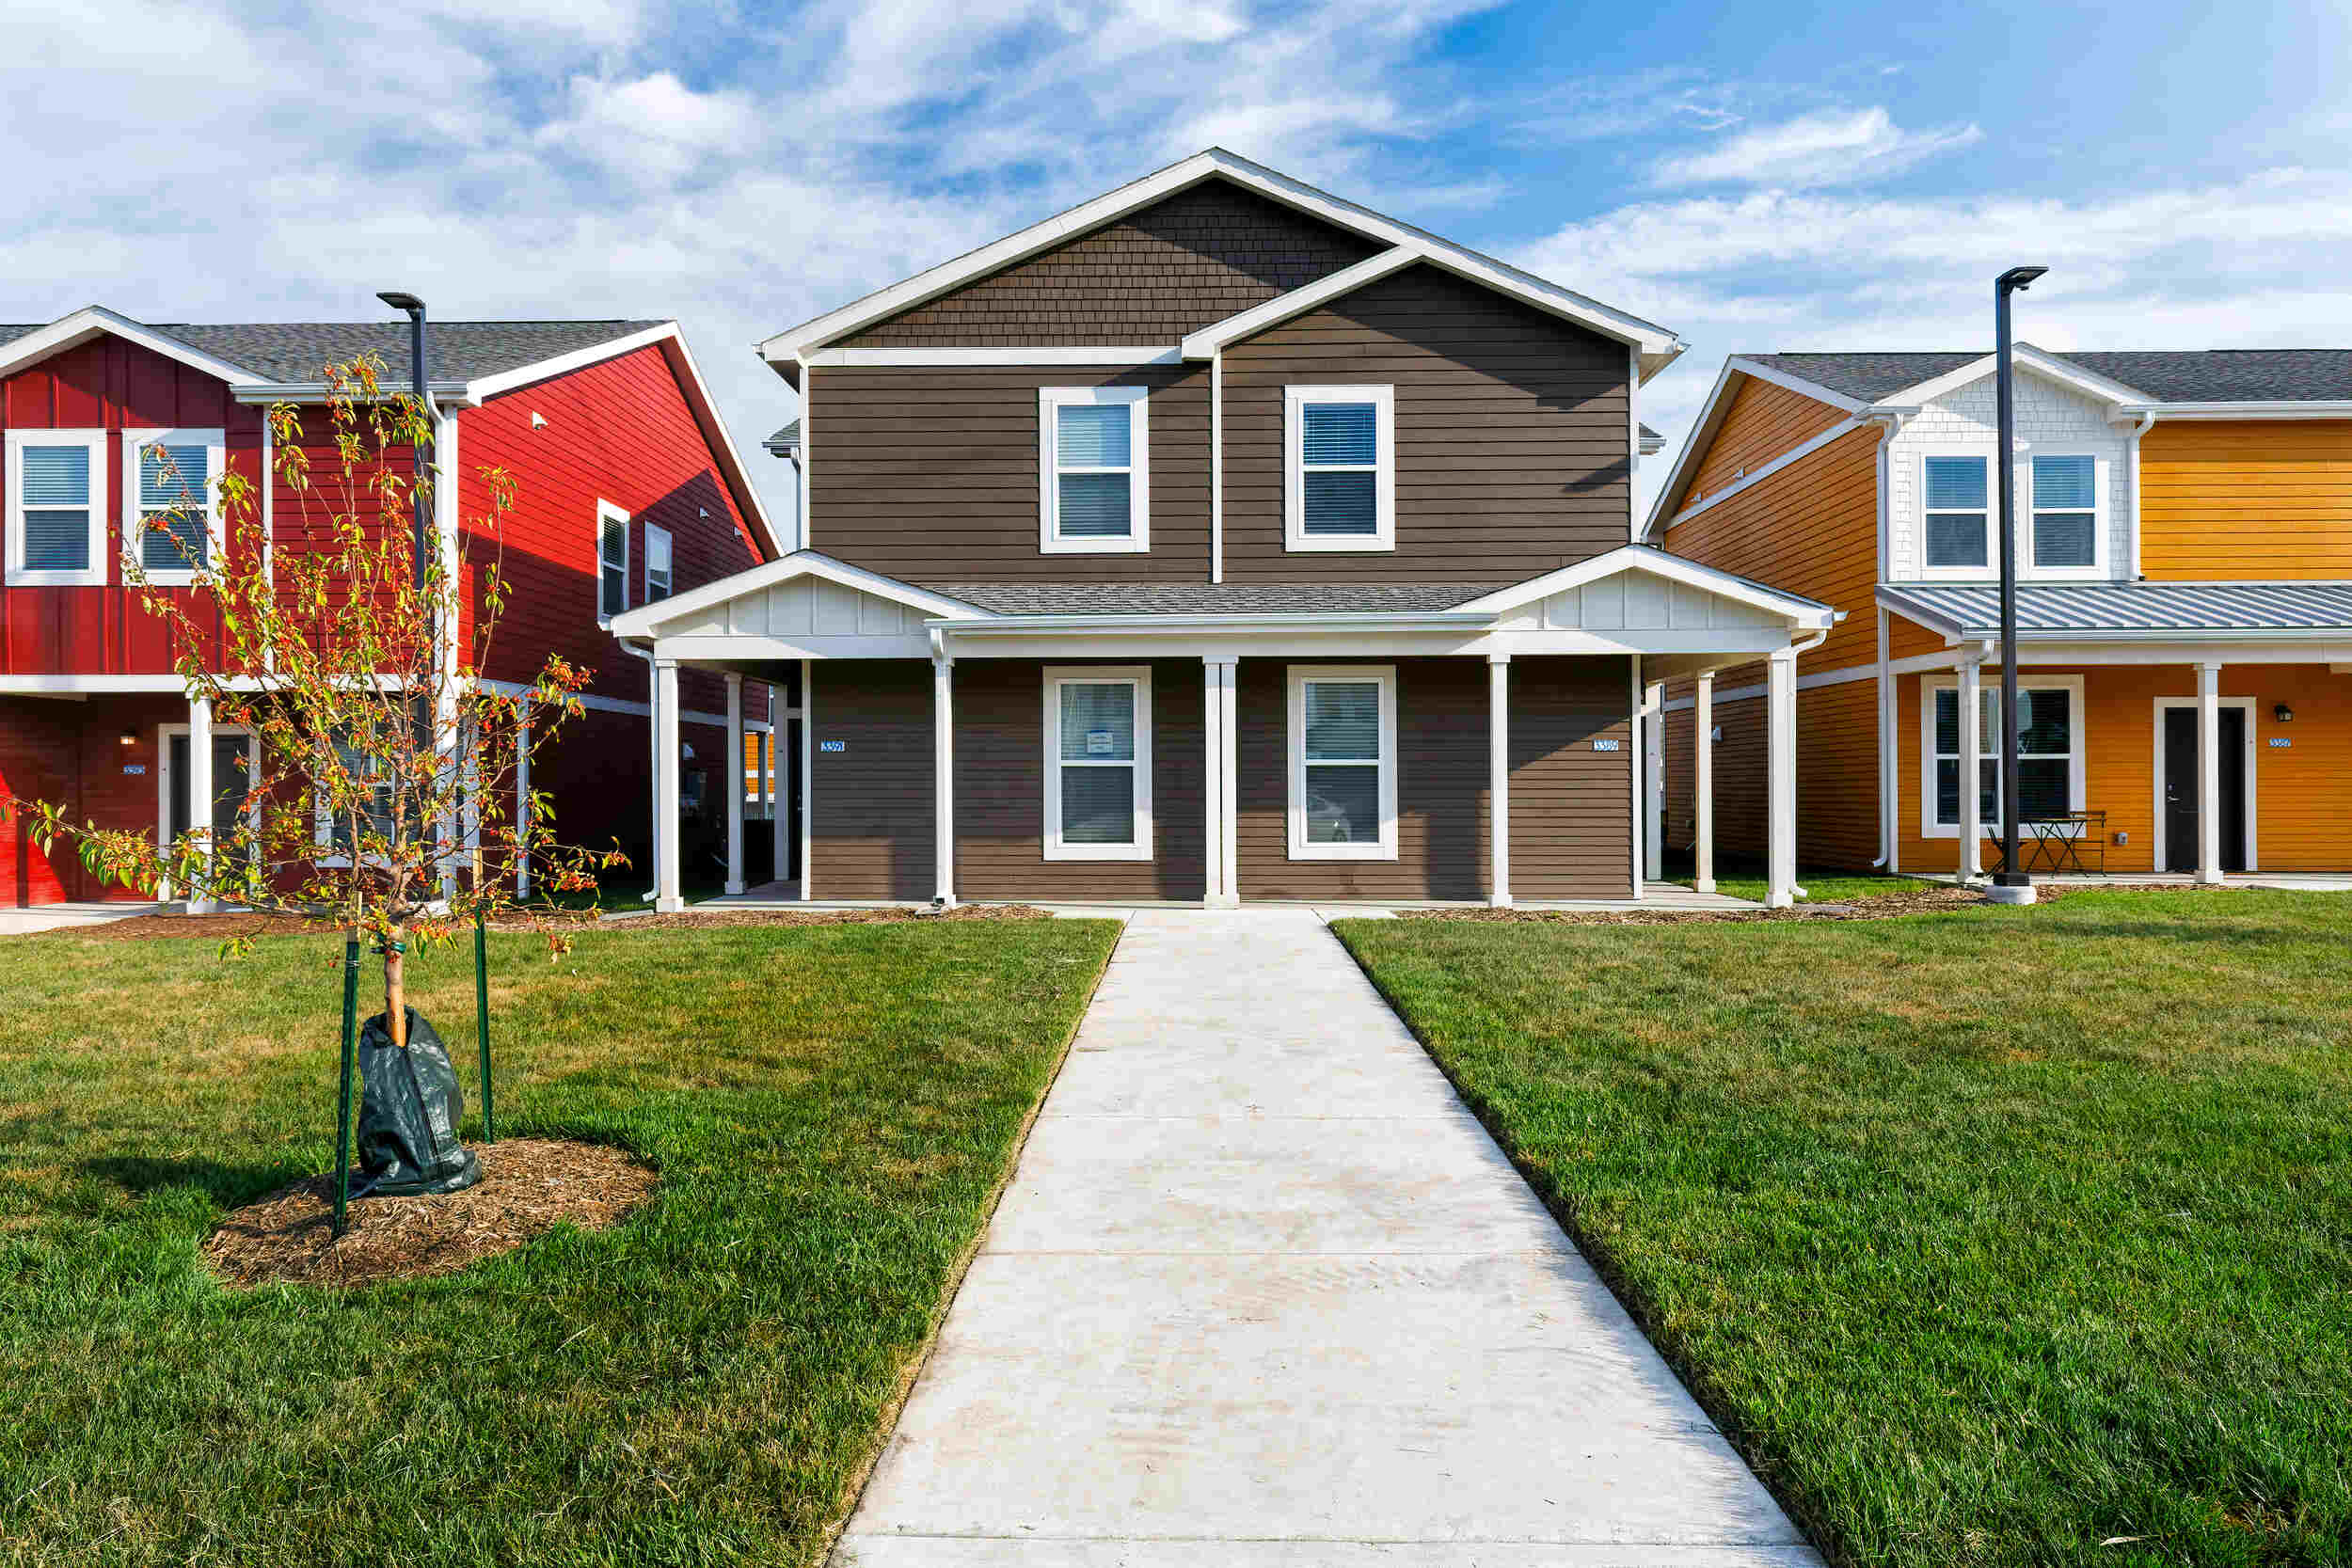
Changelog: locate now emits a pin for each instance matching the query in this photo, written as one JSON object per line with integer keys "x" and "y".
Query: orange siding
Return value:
{"x": 1760, "y": 422}
{"x": 1837, "y": 750}
{"x": 2246, "y": 498}
{"x": 2299, "y": 821}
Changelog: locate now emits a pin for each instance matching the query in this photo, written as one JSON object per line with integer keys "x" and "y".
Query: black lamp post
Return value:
{"x": 2011, "y": 884}
{"x": 418, "y": 499}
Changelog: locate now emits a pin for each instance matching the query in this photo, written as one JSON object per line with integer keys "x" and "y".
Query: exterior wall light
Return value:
{"x": 2283, "y": 713}
{"x": 129, "y": 737}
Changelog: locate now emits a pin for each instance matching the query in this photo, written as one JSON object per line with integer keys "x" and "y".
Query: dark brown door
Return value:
{"x": 2181, "y": 804}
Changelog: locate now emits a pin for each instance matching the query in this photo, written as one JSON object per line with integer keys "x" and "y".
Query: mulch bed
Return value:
{"x": 1931, "y": 899}
{"x": 527, "y": 1187}
{"x": 241, "y": 928}
{"x": 701, "y": 918}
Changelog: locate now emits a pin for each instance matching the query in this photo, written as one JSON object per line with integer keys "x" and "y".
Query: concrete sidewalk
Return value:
{"x": 1265, "y": 1295}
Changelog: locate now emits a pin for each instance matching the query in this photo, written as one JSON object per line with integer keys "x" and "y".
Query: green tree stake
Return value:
{"x": 482, "y": 1018}
{"x": 343, "y": 1109}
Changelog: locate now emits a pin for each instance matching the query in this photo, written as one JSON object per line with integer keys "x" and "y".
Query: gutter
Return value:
{"x": 1302, "y": 621}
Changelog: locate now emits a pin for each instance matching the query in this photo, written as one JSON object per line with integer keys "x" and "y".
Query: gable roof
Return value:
{"x": 785, "y": 441}
{"x": 2189, "y": 375}
{"x": 647, "y": 620}
{"x": 1657, "y": 345}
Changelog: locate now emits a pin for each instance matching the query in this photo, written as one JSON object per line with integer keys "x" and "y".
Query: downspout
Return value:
{"x": 2132, "y": 459}
{"x": 1890, "y": 423}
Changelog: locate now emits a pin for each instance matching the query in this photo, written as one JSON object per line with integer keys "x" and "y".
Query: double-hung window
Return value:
{"x": 657, "y": 578}
{"x": 56, "y": 526}
{"x": 2049, "y": 754}
{"x": 1338, "y": 488}
{"x": 2066, "y": 513}
{"x": 1343, "y": 762}
{"x": 1094, "y": 461}
{"x": 1956, "y": 511}
{"x": 1098, "y": 763}
{"x": 611, "y": 561}
{"x": 171, "y": 528}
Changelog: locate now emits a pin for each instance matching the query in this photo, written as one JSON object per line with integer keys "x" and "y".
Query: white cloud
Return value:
{"x": 1841, "y": 147}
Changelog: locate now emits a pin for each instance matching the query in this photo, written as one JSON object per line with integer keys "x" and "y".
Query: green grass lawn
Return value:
{"x": 1992, "y": 1237}
{"x": 830, "y": 1108}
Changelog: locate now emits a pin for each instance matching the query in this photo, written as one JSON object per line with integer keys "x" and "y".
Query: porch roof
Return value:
{"x": 2238, "y": 611}
{"x": 1215, "y": 598}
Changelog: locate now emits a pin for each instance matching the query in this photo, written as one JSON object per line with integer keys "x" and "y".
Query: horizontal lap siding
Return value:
{"x": 2246, "y": 498}
{"x": 1196, "y": 257}
{"x": 1761, "y": 421}
{"x": 1001, "y": 779}
{"x": 1838, "y": 776}
{"x": 1571, "y": 806}
{"x": 109, "y": 384}
{"x": 931, "y": 475}
{"x": 39, "y": 760}
{"x": 870, "y": 812}
{"x": 1441, "y": 789}
{"x": 1511, "y": 434}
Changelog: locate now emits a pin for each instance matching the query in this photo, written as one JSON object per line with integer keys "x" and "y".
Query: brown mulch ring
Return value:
{"x": 1928, "y": 899}
{"x": 214, "y": 927}
{"x": 701, "y": 918}
{"x": 527, "y": 1187}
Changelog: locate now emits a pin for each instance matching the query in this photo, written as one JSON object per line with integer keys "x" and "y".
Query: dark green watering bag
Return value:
{"x": 409, "y": 1108}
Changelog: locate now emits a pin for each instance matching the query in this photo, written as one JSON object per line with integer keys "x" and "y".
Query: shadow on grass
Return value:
{"x": 231, "y": 1186}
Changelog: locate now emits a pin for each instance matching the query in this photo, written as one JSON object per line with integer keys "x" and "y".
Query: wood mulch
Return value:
{"x": 703, "y": 918}
{"x": 527, "y": 1187}
{"x": 1928, "y": 899}
{"x": 243, "y": 927}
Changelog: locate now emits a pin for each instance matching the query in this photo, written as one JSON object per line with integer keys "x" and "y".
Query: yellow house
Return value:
{"x": 2184, "y": 562}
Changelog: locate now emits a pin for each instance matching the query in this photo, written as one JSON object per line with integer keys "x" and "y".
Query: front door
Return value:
{"x": 229, "y": 783}
{"x": 2181, "y": 804}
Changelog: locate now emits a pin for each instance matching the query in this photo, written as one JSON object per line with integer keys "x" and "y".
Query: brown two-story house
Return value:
{"x": 1220, "y": 539}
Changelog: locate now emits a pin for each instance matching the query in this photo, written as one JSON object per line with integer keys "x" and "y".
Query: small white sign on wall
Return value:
{"x": 832, "y": 745}
{"x": 1605, "y": 744}
{"x": 2280, "y": 741}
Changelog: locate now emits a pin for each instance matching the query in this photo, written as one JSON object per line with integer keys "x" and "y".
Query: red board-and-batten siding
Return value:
{"x": 108, "y": 384}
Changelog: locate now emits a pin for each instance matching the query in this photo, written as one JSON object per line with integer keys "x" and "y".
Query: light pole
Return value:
{"x": 419, "y": 503}
{"x": 2011, "y": 885}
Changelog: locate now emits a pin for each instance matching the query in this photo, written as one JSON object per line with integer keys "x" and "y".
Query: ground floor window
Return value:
{"x": 1343, "y": 762}
{"x": 2049, "y": 752}
{"x": 1098, "y": 763}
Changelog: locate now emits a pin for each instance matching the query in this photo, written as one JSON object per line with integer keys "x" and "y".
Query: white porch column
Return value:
{"x": 201, "y": 786}
{"x": 667, "y": 894}
{"x": 2209, "y": 772}
{"x": 522, "y": 798}
{"x": 1221, "y": 886}
{"x": 1703, "y": 784}
{"x": 944, "y": 774}
{"x": 1498, "y": 780}
{"x": 734, "y": 784}
{"x": 1654, "y": 778}
{"x": 1971, "y": 769}
{"x": 1780, "y": 879}
{"x": 806, "y": 761}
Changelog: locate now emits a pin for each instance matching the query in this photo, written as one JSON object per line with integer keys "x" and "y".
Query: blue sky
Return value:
{"x": 1756, "y": 177}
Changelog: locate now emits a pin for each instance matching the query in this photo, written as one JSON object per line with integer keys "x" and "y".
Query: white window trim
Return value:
{"x": 2158, "y": 848}
{"x": 656, "y": 534}
{"x": 93, "y": 576}
{"x": 164, "y": 781}
{"x": 2030, "y": 566}
{"x": 1295, "y": 534}
{"x": 1139, "y": 677}
{"x": 1991, "y": 743}
{"x": 1300, "y": 849}
{"x": 607, "y": 512}
{"x": 1991, "y": 569}
{"x": 134, "y": 520}
{"x": 1139, "y": 403}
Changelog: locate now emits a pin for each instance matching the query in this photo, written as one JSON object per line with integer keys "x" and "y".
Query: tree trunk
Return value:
{"x": 395, "y": 989}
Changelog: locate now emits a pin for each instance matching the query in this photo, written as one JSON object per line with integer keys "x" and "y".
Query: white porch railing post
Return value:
{"x": 1703, "y": 784}
{"x": 1498, "y": 779}
{"x": 1654, "y": 779}
{"x": 2209, "y": 772}
{"x": 944, "y": 774}
{"x": 668, "y": 893}
{"x": 1220, "y": 885}
{"x": 1971, "y": 769}
{"x": 734, "y": 785}
{"x": 200, "y": 789}
{"x": 1780, "y": 883}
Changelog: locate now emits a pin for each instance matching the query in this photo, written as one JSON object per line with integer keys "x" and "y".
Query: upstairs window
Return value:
{"x": 2065, "y": 513}
{"x": 1098, "y": 763}
{"x": 611, "y": 561}
{"x": 1343, "y": 762}
{"x": 657, "y": 586}
{"x": 1340, "y": 469}
{"x": 174, "y": 519}
{"x": 57, "y": 522}
{"x": 1094, "y": 459}
{"x": 1957, "y": 514}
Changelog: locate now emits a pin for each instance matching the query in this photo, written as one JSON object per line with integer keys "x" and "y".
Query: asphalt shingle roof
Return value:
{"x": 460, "y": 350}
{"x": 2192, "y": 375}
{"x": 788, "y": 436}
{"x": 1213, "y": 598}
{"x": 2093, "y": 607}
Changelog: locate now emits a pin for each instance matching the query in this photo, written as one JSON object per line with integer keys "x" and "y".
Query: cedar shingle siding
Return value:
{"x": 1200, "y": 256}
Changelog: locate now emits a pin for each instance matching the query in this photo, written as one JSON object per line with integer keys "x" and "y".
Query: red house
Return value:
{"x": 629, "y": 491}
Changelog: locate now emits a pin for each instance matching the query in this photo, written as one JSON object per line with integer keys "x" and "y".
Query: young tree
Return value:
{"x": 382, "y": 794}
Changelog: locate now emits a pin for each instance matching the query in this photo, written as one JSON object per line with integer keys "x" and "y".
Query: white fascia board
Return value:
{"x": 1650, "y": 445}
{"x": 2332, "y": 410}
{"x": 707, "y": 408}
{"x": 2049, "y": 365}
{"x": 795, "y": 344}
{"x": 90, "y": 321}
{"x": 1120, "y": 626}
{"x": 1809, "y": 614}
{"x": 447, "y": 395}
{"x": 542, "y": 369}
{"x": 949, "y": 358}
{"x": 1895, "y": 602}
{"x": 1711, "y": 418}
{"x": 1778, "y": 377}
{"x": 1758, "y": 475}
{"x": 1730, "y": 644}
{"x": 647, "y": 620}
